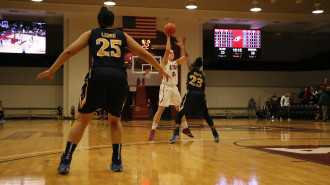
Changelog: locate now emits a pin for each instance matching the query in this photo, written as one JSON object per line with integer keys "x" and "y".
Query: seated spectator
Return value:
{"x": 2, "y": 115}
{"x": 59, "y": 113}
{"x": 304, "y": 96}
{"x": 73, "y": 113}
{"x": 313, "y": 95}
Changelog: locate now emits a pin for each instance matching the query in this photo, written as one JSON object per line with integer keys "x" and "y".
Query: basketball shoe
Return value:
{"x": 215, "y": 135}
{"x": 64, "y": 166}
{"x": 116, "y": 164}
{"x": 187, "y": 132}
{"x": 216, "y": 139}
{"x": 176, "y": 135}
{"x": 152, "y": 135}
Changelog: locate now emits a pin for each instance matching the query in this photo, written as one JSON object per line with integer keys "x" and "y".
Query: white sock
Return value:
{"x": 184, "y": 124}
{"x": 154, "y": 126}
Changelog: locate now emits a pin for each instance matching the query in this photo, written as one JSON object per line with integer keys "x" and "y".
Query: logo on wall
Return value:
{"x": 146, "y": 43}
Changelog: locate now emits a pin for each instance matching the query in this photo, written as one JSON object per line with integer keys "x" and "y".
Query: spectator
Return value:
{"x": 304, "y": 96}
{"x": 324, "y": 103}
{"x": 252, "y": 108}
{"x": 2, "y": 115}
{"x": 285, "y": 105}
{"x": 313, "y": 95}
{"x": 268, "y": 104}
{"x": 290, "y": 99}
{"x": 274, "y": 102}
{"x": 150, "y": 109}
{"x": 73, "y": 113}
{"x": 59, "y": 113}
{"x": 325, "y": 83}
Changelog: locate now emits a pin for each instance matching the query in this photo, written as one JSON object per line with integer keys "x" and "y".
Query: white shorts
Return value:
{"x": 169, "y": 95}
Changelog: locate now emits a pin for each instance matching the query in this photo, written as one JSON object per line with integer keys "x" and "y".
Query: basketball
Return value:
{"x": 170, "y": 29}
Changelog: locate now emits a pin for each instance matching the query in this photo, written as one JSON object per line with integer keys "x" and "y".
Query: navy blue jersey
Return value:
{"x": 196, "y": 80}
{"x": 107, "y": 47}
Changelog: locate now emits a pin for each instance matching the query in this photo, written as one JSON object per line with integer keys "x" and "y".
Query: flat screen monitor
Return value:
{"x": 237, "y": 44}
{"x": 22, "y": 37}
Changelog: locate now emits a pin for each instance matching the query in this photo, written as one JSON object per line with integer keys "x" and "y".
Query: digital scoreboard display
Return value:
{"x": 236, "y": 44}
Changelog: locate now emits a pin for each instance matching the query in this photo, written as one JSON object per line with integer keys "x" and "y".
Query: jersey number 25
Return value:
{"x": 105, "y": 44}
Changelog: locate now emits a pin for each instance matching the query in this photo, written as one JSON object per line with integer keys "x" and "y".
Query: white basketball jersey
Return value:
{"x": 171, "y": 69}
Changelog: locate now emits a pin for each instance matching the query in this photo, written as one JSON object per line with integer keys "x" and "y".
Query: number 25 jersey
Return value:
{"x": 107, "y": 47}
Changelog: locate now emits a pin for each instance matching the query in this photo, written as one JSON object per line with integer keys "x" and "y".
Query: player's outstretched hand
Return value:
{"x": 179, "y": 41}
{"x": 184, "y": 40}
{"x": 164, "y": 74}
{"x": 45, "y": 74}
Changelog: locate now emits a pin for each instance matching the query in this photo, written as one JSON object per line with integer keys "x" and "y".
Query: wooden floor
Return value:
{"x": 250, "y": 152}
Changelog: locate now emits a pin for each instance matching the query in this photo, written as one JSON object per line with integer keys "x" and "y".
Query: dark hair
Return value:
{"x": 198, "y": 62}
{"x": 105, "y": 17}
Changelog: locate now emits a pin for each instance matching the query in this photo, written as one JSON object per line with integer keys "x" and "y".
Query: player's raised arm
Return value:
{"x": 73, "y": 49}
{"x": 167, "y": 51}
{"x": 184, "y": 42}
{"x": 144, "y": 54}
{"x": 183, "y": 55}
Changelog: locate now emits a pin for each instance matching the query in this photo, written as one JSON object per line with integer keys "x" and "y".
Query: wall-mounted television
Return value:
{"x": 22, "y": 37}
{"x": 237, "y": 44}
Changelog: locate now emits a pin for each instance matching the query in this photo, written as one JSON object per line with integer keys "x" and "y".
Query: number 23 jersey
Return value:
{"x": 196, "y": 80}
{"x": 107, "y": 47}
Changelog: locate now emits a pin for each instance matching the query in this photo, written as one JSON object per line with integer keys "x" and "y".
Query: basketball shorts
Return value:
{"x": 193, "y": 99}
{"x": 169, "y": 95}
{"x": 106, "y": 88}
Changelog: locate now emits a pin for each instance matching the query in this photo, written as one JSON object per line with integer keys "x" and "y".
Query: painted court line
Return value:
{"x": 141, "y": 143}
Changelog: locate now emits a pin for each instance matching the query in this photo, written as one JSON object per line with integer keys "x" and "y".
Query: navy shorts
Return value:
{"x": 193, "y": 99}
{"x": 106, "y": 88}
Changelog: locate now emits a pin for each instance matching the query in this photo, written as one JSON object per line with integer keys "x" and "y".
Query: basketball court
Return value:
{"x": 249, "y": 152}
{"x": 247, "y": 55}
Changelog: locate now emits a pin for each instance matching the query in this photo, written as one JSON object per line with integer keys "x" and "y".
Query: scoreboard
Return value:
{"x": 232, "y": 43}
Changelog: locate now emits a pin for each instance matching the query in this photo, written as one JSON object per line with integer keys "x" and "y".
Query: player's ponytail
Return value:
{"x": 198, "y": 62}
{"x": 105, "y": 17}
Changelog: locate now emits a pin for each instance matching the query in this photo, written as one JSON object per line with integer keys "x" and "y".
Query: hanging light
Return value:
{"x": 317, "y": 8}
{"x": 255, "y": 6}
{"x": 36, "y": 0}
{"x": 110, "y": 2}
{"x": 191, "y": 4}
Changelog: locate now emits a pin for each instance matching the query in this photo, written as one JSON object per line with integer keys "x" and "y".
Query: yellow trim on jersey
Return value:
{"x": 82, "y": 102}
{"x": 184, "y": 101}
{"x": 123, "y": 104}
